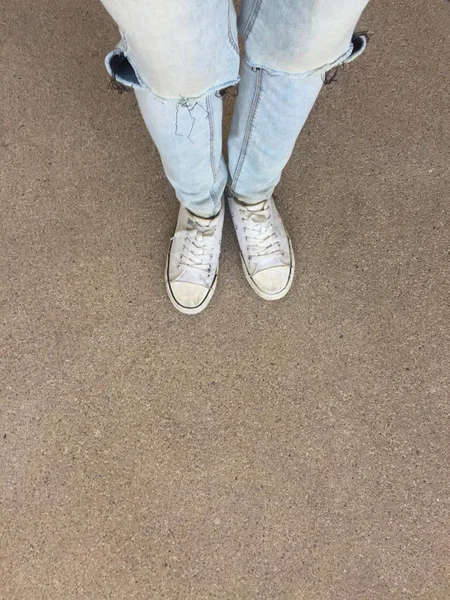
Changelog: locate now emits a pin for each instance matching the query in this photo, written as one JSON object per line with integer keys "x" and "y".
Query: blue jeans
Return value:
{"x": 179, "y": 56}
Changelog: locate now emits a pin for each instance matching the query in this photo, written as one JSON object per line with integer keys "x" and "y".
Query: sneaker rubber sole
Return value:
{"x": 186, "y": 310}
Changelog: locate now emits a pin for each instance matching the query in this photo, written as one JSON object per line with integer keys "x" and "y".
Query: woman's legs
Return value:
{"x": 189, "y": 139}
{"x": 178, "y": 55}
{"x": 289, "y": 45}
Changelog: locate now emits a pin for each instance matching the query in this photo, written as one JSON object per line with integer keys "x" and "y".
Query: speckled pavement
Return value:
{"x": 296, "y": 450}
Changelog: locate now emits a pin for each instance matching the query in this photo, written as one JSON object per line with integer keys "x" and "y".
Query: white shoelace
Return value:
{"x": 197, "y": 251}
{"x": 260, "y": 234}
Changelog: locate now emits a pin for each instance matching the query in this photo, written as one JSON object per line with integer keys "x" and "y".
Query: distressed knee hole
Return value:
{"x": 357, "y": 46}
{"x": 124, "y": 77}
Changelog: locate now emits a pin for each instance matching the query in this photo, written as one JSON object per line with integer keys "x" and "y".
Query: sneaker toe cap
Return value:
{"x": 273, "y": 280}
{"x": 188, "y": 295}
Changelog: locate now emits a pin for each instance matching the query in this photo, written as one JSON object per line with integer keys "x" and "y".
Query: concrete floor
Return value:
{"x": 291, "y": 450}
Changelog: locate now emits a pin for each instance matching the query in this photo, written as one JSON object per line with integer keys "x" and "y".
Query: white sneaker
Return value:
{"x": 193, "y": 261}
{"x": 266, "y": 250}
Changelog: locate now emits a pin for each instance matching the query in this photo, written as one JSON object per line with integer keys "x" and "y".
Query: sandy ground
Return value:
{"x": 293, "y": 450}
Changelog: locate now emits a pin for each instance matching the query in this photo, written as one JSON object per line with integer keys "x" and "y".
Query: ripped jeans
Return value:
{"x": 180, "y": 55}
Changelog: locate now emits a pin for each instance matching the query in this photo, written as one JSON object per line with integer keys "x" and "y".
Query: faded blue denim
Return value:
{"x": 179, "y": 55}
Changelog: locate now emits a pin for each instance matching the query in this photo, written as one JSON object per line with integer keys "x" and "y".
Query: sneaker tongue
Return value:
{"x": 267, "y": 262}
{"x": 192, "y": 276}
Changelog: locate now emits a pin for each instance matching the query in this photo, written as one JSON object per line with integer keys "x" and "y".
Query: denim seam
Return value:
{"x": 248, "y": 130}
{"x": 213, "y": 197}
{"x": 251, "y": 20}
{"x": 211, "y": 137}
{"x": 209, "y": 111}
{"x": 230, "y": 30}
